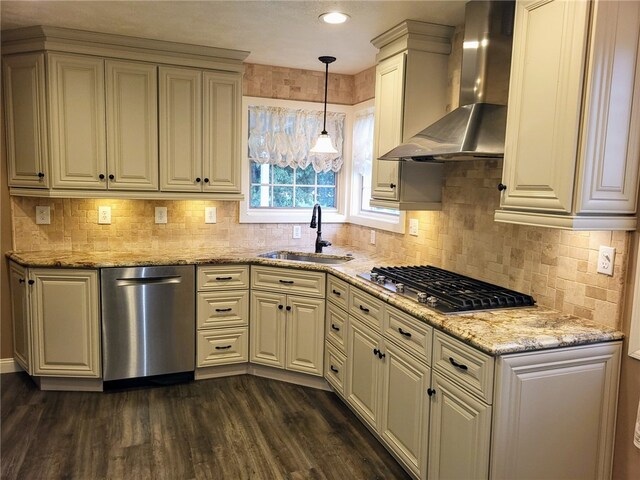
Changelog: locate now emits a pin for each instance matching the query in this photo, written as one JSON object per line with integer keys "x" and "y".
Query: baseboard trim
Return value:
{"x": 9, "y": 365}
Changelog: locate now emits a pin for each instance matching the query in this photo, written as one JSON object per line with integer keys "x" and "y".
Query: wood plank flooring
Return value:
{"x": 241, "y": 427}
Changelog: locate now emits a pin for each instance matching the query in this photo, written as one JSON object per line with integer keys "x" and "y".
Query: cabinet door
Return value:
{"x": 66, "y": 323}
{"x": 459, "y": 433}
{"x": 20, "y": 316}
{"x": 267, "y": 328}
{"x": 364, "y": 369}
{"x": 549, "y": 47}
{"x": 76, "y": 105}
{"x": 221, "y": 131}
{"x": 132, "y": 125}
{"x": 180, "y": 129}
{"x": 387, "y": 126}
{"x": 404, "y": 421}
{"x": 555, "y": 413}
{"x": 305, "y": 334}
{"x": 26, "y": 120}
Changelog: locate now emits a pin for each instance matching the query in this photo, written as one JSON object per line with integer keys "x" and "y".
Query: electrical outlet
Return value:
{"x": 413, "y": 227}
{"x": 43, "y": 215}
{"x": 161, "y": 214}
{"x": 606, "y": 257}
{"x": 209, "y": 214}
{"x": 104, "y": 215}
{"x": 297, "y": 231}
{"x": 372, "y": 241}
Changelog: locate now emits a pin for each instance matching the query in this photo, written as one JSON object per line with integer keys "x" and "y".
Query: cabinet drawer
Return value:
{"x": 221, "y": 347}
{"x": 223, "y": 277}
{"x": 412, "y": 334}
{"x": 366, "y": 308}
{"x": 336, "y": 327}
{"x": 286, "y": 280}
{"x": 223, "y": 309}
{"x": 335, "y": 368}
{"x": 470, "y": 368}
{"x": 338, "y": 292}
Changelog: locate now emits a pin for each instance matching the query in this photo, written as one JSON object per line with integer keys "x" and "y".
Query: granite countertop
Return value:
{"x": 495, "y": 332}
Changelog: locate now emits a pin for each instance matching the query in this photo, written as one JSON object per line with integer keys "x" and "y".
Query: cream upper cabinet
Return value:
{"x": 180, "y": 129}
{"x": 77, "y": 121}
{"x": 222, "y": 104}
{"x": 65, "y": 322}
{"x": 25, "y": 120}
{"x": 410, "y": 94}
{"x": 132, "y": 125}
{"x": 21, "y": 315}
{"x": 572, "y": 141}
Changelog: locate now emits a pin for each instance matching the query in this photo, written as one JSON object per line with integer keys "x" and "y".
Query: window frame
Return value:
{"x": 295, "y": 215}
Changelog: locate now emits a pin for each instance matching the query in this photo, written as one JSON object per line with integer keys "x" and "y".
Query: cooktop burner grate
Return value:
{"x": 454, "y": 292}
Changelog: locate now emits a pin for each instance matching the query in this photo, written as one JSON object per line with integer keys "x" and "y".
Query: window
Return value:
{"x": 362, "y": 213}
{"x": 282, "y": 179}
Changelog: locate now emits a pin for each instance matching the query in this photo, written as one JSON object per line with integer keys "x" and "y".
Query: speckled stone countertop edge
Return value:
{"x": 494, "y": 332}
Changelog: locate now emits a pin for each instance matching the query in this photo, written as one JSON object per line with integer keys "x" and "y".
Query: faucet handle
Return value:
{"x": 325, "y": 243}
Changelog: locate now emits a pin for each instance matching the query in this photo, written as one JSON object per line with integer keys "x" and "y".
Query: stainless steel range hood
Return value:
{"x": 475, "y": 129}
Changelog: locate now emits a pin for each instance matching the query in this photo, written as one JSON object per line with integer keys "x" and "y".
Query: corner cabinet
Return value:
{"x": 96, "y": 119}
{"x": 56, "y": 321}
{"x": 572, "y": 146}
{"x": 410, "y": 93}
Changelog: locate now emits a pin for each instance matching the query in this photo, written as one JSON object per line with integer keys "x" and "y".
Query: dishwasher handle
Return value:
{"x": 135, "y": 281}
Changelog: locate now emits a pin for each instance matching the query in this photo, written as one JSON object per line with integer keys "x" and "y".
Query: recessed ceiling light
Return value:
{"x": 334, "y": 17}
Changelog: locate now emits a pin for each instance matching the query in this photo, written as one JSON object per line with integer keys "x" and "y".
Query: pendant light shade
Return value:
{"x": 324, "y": 144}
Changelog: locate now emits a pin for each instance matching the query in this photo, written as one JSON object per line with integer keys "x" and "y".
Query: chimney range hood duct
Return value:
{"x": 476, "y": 129}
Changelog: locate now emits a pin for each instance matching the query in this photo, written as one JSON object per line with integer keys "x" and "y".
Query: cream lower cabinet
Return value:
{"x": 222, "y": 316}
{"x": 65, "y": 322}
{"x": 572, "y": 146}
{"x": 20, "y": 310}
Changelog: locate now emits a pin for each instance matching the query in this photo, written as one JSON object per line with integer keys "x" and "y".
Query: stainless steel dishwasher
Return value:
{"x": 148, "y": 321}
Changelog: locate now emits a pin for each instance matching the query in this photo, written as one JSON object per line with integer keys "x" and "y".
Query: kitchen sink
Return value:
{"x": 306, "y": 257}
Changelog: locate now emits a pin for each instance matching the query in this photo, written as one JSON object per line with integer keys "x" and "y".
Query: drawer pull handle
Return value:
{"x": 365, "y": 310}
{"x": 224, "y": 278}
{"x": 336, "y": 293}
{"x": 334, "y": 369}
{"x": 288, "y": 282}
{"x": 226, "y": 347}
{"x": 333, "y": 327}
{"x": 402, "y": 332}
{"x": 458, "y": 365}
{"x": 223, "y": 309}
{"x": 431, "y": 392}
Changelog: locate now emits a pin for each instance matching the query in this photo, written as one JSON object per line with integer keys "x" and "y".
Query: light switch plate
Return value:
{"x": 297, "y": 231}
{"x": 161, "y": 214}
{"x": 413, "y": 227}
{"x": 606, "y": 257}
{"x": 104, "y": 215}
{"x": 209, "y": 214}
{"x": 43, "y": 215}
{"x": 372, "y": 241}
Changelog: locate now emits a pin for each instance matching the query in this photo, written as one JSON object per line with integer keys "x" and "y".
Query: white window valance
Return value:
{"x": 283, "y": 137}
{"x": 363, "y": 141}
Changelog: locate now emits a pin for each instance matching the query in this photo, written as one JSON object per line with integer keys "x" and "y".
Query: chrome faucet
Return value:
{"x": 319, "y": 242}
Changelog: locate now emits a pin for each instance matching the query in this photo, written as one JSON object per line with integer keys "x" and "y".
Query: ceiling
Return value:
{"x": 282, "y": 33}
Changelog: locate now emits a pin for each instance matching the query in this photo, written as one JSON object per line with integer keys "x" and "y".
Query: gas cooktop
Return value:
{"x": 444, "y": 291}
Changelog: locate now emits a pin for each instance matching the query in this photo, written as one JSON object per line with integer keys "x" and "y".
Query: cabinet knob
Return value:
{"x": 392, "y": 185}
{"x": 31, "y": 282}
{"x": 111, "y": 176}
{"x": 198, "y": 180}
{"x": 288, "y": 308}
{"x": 376, "y": 351}
{"x": 280, "y": 307}
{"x": 21, "y": 280}
{"x": 40, "y": 175}
{"x": 501, "y": 187}
{"x": 206, "y": 180}
{"x": 101, "y": 176}
{"x": 431, "y": 392}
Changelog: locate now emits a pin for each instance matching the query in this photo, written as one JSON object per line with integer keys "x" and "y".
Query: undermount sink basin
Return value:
{"x": 306, "y": 257}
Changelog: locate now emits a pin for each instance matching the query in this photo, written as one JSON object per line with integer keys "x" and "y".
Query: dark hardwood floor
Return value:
{"x": 240, "y": 427}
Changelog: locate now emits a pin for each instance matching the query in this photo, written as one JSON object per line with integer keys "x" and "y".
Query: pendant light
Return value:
{"x": 324, "y": 145}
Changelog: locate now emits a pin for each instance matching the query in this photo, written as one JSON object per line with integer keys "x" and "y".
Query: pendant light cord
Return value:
{"x": 326, "y": 86}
